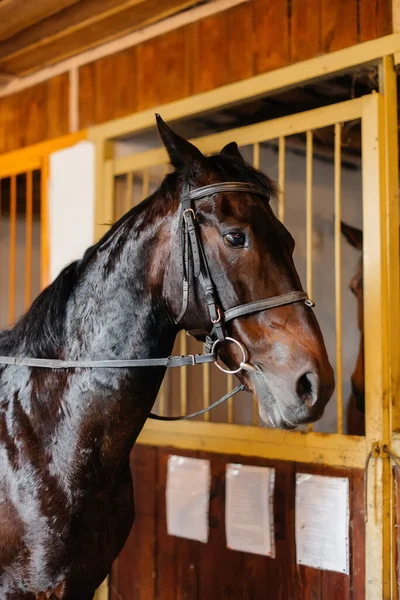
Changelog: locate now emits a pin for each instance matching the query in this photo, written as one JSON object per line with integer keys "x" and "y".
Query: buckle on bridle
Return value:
{"x": 308, "y": 302}
{"x": 187, "y": 210}
{"x": 218, "y": 319}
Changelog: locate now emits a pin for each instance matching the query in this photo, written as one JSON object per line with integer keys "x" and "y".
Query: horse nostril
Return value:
{"x": 306, "y": 388}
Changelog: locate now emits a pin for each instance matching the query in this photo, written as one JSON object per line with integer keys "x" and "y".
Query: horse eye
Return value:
{"x": 237, "y": 239}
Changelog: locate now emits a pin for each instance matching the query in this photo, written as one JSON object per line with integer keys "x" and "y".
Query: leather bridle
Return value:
{"x": 192, "y": 258}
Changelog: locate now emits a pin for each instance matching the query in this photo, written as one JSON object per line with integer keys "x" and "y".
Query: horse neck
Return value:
{"x": 90, "y": 418}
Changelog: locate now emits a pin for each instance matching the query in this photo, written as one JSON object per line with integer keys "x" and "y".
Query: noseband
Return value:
{"x": 192, "y": 258}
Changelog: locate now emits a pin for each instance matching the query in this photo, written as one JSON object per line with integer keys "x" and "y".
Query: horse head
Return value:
{"x": 249, "y": 256}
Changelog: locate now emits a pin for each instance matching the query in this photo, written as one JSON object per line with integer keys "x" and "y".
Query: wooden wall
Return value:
{"x": 154, "y": 565}
{"x": 252, "y": 38}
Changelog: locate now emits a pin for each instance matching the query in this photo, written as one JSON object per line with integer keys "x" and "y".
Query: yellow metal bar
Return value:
{"x": 12, "y": 257}
{"x": 256, "y": 165}
{"x": 338, "y": 276}
{"x": 129, "y": 188}
{"x": 377, "y": 398}
{"x": 44, "y": 224}
{"x": 281, "y": 178}
{"x": 229, "y": 388}
{"x": 333, "y": 449}
{"x": 251, "y": 134}
{"x": 256, "y": 155}
{"x": 206, "y": 390}
{"x": 104, "y": 188}
{"x": 309, "y": 209}
{"x": 309, "y": 217}
{"x": 183, "y": 373}
{"x": 145, "y": 185}
{"x": 28, "y": 239}
{"x": 388, "y": 86}
{"x": 1, "y": 223}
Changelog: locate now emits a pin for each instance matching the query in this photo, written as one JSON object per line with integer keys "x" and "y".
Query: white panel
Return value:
{"x": 71, "y": 204}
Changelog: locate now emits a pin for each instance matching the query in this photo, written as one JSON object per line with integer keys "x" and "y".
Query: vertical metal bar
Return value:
{"x": 145, "y": 185}
{"x": 129, "y": 188}
{"x": 206, "y": 389}
{"x": 0, "y": 237}
{"x": 44, "y": 224}
{"x": 256, "y": 165}
{"x": 256, "y": 155}
{"x": 183, "y": 373}
{"x": 309, "y": 214}
{"x": 376, "y": 334}
{"x": 309, "y": 209}
{"x": 229, "y": 388}
{"x": 388, "y": 87}
{"x": 13, "y": 239}
{"x": 28, "y": 239}
{"x": 338, "y": 276}
{"x": 281, "y": 178}
{"x": 164, "y": 387}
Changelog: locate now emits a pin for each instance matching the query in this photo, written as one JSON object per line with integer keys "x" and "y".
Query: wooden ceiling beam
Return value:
{"x": 80, "y": 27}
{"x": 16, "y": 15}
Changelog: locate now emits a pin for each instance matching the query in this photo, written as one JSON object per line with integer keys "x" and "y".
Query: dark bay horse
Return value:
{"x": 66, "y": 498}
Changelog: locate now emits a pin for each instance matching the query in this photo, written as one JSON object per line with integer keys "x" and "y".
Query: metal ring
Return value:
{"x": 308, "y": 302}
{"x": 242, "y": 348}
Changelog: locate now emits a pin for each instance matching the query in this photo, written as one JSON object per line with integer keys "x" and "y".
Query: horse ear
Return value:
{"x": 232, "y": 151}
{"x": 181, "y": 152}
{"x": 353, "y": 235}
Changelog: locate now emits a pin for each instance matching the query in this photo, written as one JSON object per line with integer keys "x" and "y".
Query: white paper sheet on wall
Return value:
{"x": 249, "y": 509}
{"x": 187, "y": 496}
{"x": 322, "y": 522}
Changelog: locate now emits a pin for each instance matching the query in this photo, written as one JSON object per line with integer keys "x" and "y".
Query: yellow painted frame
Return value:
{"x": 32, "y": 158}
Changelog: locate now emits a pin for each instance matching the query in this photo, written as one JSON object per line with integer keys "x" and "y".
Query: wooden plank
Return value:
{"x": 222, "y": 569}
{"x": 210, "y": 67}
{"x": 240, "y": 35}
{"x": 375, "y": 19}
{"x": 87, "y": 99}
{"x": 305, "y": 30}
{"x": 338, "y": 24}
{"x": 12, "y": 121}
{"x": 57, "y": 107}
{"x": 16, "y": 15}
{"x": 271, "y": 34}
{"x": 32, "y": 112}
{"x": 116, "y": 72}
{"x": 53, "y": 47}
{"x": 163, "y": 68}
{"x": 166, "y": 565}
{"x": 357, "y": 529}
{"x": 136, "y": 563}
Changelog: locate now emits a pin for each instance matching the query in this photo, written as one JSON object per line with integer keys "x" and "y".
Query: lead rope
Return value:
{"x": 237, "y": 389}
